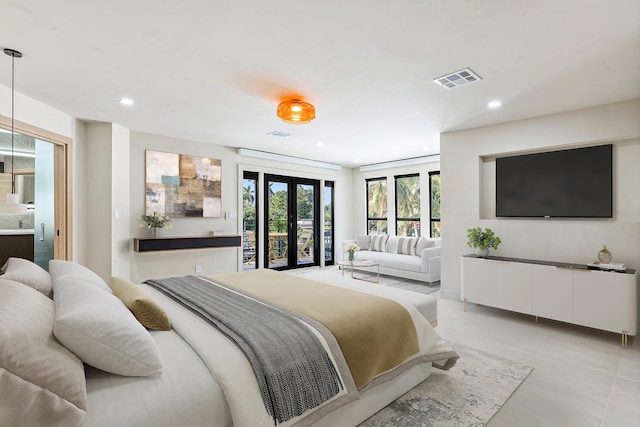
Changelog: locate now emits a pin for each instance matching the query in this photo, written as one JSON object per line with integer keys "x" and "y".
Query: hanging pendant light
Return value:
{"x": 13, "y": 198}
{"x": 296, "y": 111}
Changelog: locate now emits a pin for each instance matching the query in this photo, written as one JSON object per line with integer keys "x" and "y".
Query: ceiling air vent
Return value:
{"x": 459, "y": 78}
{"x": 279, "y": 134}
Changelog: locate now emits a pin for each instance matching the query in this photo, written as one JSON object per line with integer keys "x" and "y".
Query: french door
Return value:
{"x": 292, "y": 210}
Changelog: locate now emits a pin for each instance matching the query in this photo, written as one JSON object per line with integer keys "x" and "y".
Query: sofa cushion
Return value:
{"x": 363, "y": 242}
{"x": 395, "y": 261}
{"x": 392, "y": 244}
{"x": 407, "y": 245}
{"x": 379, "y": 242}
{"x": 426, "y": 242}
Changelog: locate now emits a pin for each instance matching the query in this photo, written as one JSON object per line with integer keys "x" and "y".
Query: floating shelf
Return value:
{"x": 154, "y": 244}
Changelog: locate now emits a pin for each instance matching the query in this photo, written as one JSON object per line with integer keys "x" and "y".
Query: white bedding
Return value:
{"x": 185, "y": 393}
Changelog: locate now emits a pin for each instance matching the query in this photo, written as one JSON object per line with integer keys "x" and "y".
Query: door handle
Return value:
{"x": 42, "y": 231}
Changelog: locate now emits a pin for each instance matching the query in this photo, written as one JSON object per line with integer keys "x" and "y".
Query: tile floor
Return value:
{"x": 581, "y": 377}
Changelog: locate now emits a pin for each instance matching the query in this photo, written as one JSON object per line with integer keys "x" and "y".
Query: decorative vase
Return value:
{"x": 482, "y": 252}
{"x": 351, "y": 256}
{"x": 155, "y": 231}
{"x": 604, "y": 256}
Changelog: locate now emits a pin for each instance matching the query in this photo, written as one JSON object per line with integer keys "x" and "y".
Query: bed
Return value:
{"x": 198, "y": 377}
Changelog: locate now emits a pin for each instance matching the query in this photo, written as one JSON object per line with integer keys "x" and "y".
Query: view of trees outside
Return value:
{"x": 249, "y": 210}
{"x": 249, "y": 204}
{"x": 328, "y": 223}
{"x": 377, "y": 206}
{"x": 278, "y": 207}
{"x": 408, "y": 205}
{"x": 305, "y": 205}
{"x": 435, "y": 204}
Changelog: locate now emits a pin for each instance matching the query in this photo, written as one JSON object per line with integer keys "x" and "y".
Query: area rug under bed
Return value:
{"x": 469, "y": 394}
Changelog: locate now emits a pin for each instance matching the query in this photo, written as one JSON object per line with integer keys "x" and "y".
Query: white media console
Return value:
{"x": 571, "y": 293}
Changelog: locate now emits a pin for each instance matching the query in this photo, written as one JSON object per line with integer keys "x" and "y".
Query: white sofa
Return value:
{"x": 424, "y": 265}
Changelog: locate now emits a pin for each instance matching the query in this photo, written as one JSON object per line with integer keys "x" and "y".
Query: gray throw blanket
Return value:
{"x": 293, "y": 370}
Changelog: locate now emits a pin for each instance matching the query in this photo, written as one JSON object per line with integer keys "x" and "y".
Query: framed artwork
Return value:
{"x": 180, "y": 185}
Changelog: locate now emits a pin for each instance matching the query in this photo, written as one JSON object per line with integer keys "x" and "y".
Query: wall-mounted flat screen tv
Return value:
{"x": 573, "y": 183}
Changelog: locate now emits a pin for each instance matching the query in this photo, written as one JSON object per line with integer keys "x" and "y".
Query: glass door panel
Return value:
{"x": 328, "y": 223}
{"x": 44, "y": 218}
{"x": 250, "y": 221}
{"x": 305, "y": 208}
{"x": 278, "y": 225}
{"x": 292, "y": 206}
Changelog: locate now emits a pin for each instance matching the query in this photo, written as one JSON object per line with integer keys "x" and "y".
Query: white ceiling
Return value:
{"x": 215, "y": 70}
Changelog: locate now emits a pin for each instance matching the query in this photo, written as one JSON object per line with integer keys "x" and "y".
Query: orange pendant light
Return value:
{"x": 296, "y": 111}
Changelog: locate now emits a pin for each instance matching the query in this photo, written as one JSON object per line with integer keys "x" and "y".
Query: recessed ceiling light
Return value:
{"x": 494, "y": 104}
{"x": 319, "y": 143}
{"x": 126, "y": 101}
{"x": 356, "y": 160}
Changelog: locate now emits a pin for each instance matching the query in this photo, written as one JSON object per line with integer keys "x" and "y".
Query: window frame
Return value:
{"x": 385, "y": 218}
{"x": 432, "y": 219}
{"x": 417, "y": 219}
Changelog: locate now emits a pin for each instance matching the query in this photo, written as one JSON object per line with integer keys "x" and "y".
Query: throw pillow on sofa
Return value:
{"x": 407, "y": 245}
{"x": 379, "y": 242}
{"x": 424, "y": 243}
{"x": 363, "y": 242}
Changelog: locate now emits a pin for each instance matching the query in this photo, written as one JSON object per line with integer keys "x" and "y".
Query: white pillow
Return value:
{"x": 424, "y": 243}
{"x": 28, "y": 273}
{"x": 41, "y": 382}
{"x": 363, "y": 242}
{"x": 98, "y": 328}
{"x": 59, "y": 268}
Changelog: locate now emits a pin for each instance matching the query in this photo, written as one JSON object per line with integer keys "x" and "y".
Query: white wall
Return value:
{"x": 464, "y": 203}
{"x": 218, "y": 260}
{"x": 359, "y": 214}
{"x": 99, "y": 186}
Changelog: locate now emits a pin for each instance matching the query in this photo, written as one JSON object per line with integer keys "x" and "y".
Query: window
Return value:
{"x": 434, "y": 211}
{"x": 249, "y": 220}
{"x": 408, "y": 205}
{"x": 377, "y": 205}
{"x": 328, "y": 223}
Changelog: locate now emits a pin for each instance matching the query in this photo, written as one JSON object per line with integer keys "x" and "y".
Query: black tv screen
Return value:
{"x": 573, "y": 183}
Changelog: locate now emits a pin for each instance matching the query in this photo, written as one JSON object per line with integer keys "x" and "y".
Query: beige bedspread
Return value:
{"x": 233, "y": 372}
{"x": 375, "y": 334}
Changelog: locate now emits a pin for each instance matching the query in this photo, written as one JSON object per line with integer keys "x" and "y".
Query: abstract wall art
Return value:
{"x": 181, "y": 185}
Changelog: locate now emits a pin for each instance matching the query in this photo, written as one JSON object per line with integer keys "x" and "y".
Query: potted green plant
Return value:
{"x": 482, "y": 240}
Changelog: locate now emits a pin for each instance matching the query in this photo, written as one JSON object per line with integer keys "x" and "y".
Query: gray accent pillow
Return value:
{"x": 379, "y": 242}
{"x": 363, "y": 242}
{"x": 407, "y": 245}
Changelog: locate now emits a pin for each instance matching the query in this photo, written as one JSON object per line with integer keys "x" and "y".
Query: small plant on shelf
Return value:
{"x": 482, "y": 240}
{"x": 154, "y": 222}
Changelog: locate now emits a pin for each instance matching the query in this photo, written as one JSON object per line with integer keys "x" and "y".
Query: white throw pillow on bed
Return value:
{"x": 59, "y": 268}
{"x": 28, "y": 273}
{"x": 98, "y": 328}
{"x": 41, "y": 382}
